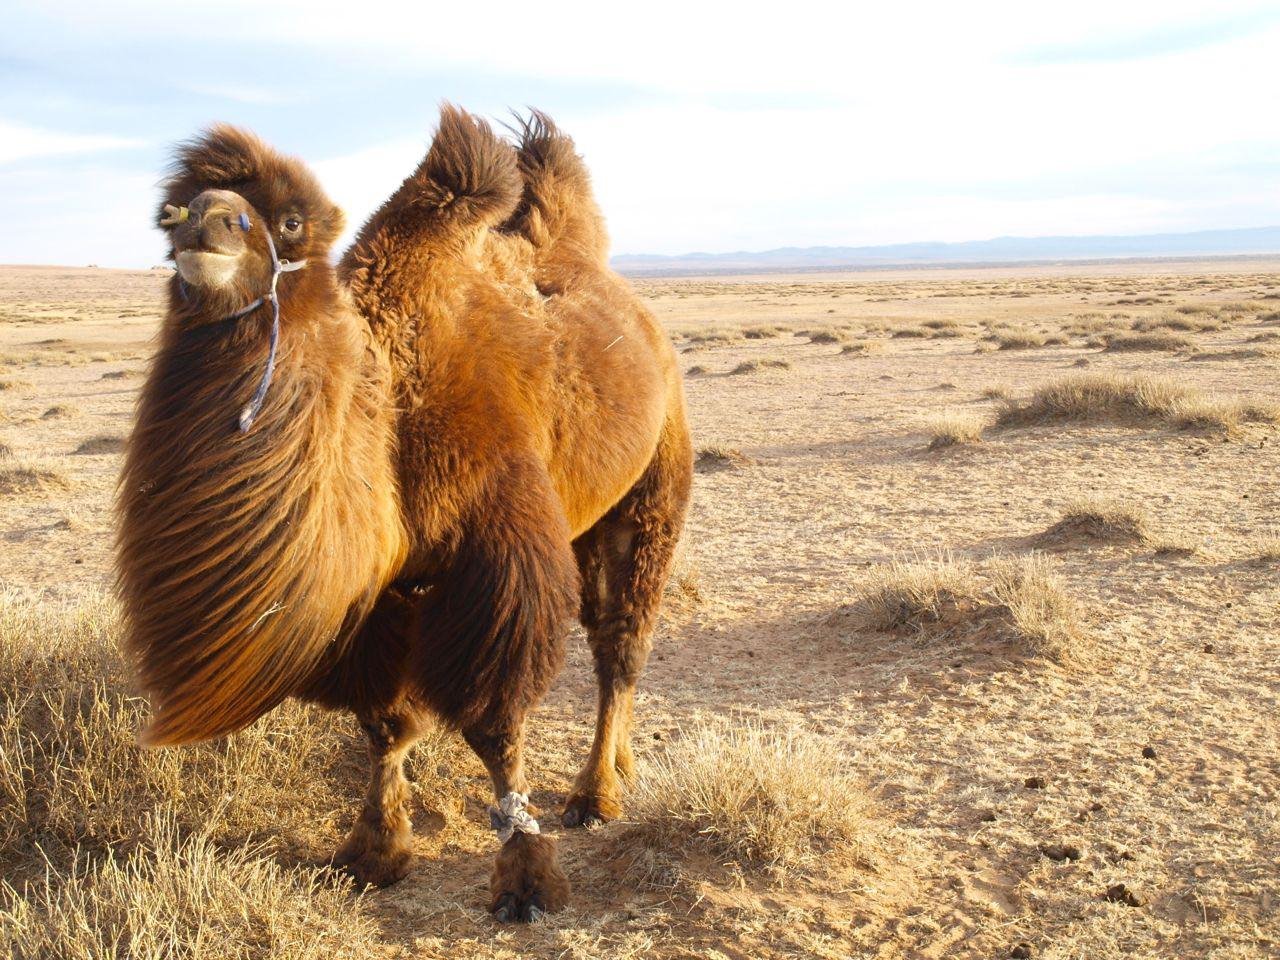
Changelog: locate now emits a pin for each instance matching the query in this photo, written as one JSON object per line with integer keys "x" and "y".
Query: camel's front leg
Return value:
{"x": 527, "y": 880}
{"x": 378, "y": 850}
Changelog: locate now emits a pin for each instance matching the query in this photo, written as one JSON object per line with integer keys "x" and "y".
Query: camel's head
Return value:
{"x": 228, "y": 191}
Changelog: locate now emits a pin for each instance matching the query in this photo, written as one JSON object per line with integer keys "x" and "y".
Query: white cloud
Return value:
{"x": 18, "y": 142}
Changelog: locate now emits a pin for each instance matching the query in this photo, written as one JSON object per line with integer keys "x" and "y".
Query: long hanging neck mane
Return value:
{"x": 244, "y": 557}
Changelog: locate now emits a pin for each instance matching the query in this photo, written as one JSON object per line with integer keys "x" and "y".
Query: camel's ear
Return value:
{"x": 331, "y": 225}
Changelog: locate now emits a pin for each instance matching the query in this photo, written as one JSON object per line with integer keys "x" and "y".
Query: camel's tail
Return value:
{"x": 557, "y": 212}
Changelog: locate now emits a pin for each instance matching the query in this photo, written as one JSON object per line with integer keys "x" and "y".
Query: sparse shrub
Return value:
{"x": 953, "y": 428}
{"x": 60, "y": 411}
{"x": 909, "y": 332}
{"x": 697, "y": 370}
{"x": 761, "y": 333}
{"x": 776, "y": 799}
{"x": 995, "y": 393}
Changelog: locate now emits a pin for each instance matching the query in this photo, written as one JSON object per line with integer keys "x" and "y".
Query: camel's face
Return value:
{"x": 228, "y": 194}
{"x": 212, "y": 244}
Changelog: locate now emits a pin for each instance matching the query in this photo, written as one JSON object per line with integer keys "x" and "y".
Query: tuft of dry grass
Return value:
{"x": 825, "y": 336}
{"x": 1152, "y": 340}
{"x": 1017, "y": 339}
{"x": 102, "y": 838}
{"x": 30, "y": 478}
{"x": 1102, "y": 518}
{"x": 185, "y": 897}
{"x": 860, "y": 348}
{"x": 718, "y": 457}
{"x": 1267, "y": 548}
{"x": 101, "y": 444}
{"x": 1187, "y": 323}
{"x": 1100, "y": 396}
{"x": 751, "y": 366}
{"x": 775, "y": 799}
{"x": 1044, "y": 616}
{"x": 1013, "y": 598}
{"x": 697, "y": 370}
{"x": 761, "y": 332}
{"x": 954, "y": 428}
{"x": 60, "y": 411}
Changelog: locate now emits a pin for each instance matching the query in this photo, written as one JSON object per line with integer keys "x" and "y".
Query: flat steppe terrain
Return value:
{"x": 1085, "y": 767}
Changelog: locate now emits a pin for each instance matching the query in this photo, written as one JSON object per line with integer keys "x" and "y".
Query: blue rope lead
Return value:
{"x": 278, "y": 266}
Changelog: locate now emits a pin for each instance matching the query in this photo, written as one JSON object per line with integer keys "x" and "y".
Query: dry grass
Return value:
{"x": 1267, "y": 548}
{"x": 826, "y": 336}
{"x": 718, "y": 457}
{"x": 1101, "y": 396}
{"x": 1018, "y": 339}
{"x": 102, "y": 841}
{"x": 1101, "y": 518}
{"x": 860, "y": 348}
{"x": 954, "y": 428}
{"x": 184, "y": 897}
{"x": 101, "y": 444}
{"x": 30, "y": 478}
{"x": 1153, "y": 340}
{"x": 60, "y": 411}
{"x": 762, "y": 332}
{"x": 772, "y": 799}
{"x": 751, "y": 366}
{"x": 1018, "y": 599}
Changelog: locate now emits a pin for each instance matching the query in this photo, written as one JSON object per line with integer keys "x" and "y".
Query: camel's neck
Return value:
{"x": 242, "y": 555}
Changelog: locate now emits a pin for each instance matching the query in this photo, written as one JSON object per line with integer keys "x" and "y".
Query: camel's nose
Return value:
{"x": 220, "y": 219}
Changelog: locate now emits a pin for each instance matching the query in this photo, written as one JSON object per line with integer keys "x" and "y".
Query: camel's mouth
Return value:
{"x": 208, "y": 268}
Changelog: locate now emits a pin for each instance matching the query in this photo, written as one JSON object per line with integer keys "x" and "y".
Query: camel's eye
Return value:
{"x": 292, "y": 226}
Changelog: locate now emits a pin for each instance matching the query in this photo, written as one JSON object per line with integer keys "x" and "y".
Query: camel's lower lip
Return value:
{"x": 207, "y": 268}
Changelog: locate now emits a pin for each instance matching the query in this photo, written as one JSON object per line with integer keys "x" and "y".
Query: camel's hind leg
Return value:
{"x": 625, "y": 560}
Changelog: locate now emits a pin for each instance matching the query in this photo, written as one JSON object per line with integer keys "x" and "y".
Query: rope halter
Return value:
{"x": 510, "y": 817}
{"x": 278, "y": 266}
{"x": 176, "y": 215}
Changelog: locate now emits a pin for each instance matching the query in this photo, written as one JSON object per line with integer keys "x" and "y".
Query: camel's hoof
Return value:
{"x": 527, "y": 881}
{"x": 374, "y": 860}
{"x": 587, "y": 810}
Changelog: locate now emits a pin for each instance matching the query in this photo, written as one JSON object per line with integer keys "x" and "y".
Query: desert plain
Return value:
{"x": 971, "y": 652}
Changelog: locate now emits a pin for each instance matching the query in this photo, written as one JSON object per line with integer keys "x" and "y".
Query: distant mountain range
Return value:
{"x": 1257, "y": 240}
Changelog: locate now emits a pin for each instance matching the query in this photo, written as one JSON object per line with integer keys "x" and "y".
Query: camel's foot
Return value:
{"x": 590, "y": 805}
{"x": 376, "y": 857}
{"x": 527, "y": 880}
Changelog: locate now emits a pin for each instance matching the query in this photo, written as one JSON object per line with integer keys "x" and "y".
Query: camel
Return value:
{"x": 387, "y": 487}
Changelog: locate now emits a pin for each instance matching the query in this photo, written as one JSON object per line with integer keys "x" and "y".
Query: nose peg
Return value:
{"x": 174, "y": 215}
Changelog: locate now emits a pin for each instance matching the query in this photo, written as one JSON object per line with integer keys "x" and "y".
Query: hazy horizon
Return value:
{"x": 932, "y": 124}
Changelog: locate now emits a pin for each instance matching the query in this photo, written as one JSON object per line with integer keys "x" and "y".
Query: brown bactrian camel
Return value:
{"x": 467, "y": 432}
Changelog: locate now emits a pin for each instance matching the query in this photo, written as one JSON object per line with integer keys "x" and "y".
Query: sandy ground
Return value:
{"x": 836, "y": 481}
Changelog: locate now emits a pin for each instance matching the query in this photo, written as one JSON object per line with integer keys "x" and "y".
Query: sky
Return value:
{"x": 707, "y": 127}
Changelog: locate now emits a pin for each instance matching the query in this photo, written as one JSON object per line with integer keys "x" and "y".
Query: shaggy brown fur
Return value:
{"x": 475, "y": 430}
